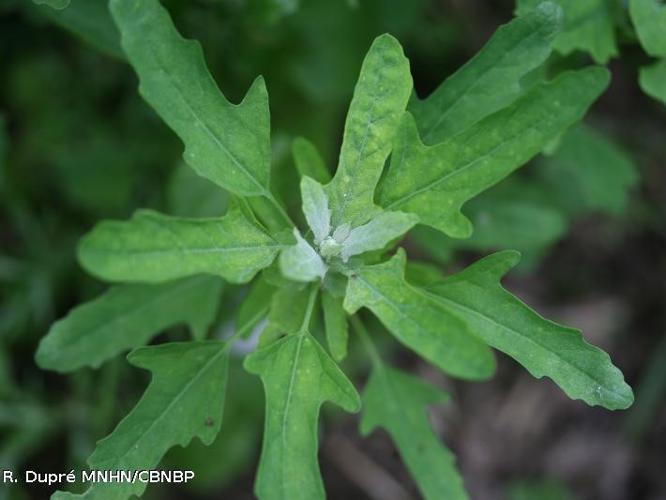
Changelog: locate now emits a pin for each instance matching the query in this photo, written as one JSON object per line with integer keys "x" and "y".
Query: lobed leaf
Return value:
{"x": 226, "y": 143}
{"x": 435, "y": 181}
{"x": 152, "y": 247}
{"x": 417, "y": 320}
{"x": 125, "y": 317}
{"x": 544, "y": 348}
{"x": 588, "y": 26}
{"x": 397, "y": 402}
{"x": 255, "y": 306}
{"x": 491, "y": 80}
{"x": 380, "y": 98}
{"x": 184, "y": 400}
{"x": 298, "y": 376}
{"x": 649, "y": 18}
{"x": 300, "y": 262}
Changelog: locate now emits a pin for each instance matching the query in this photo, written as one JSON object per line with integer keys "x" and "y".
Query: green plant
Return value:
{"x": 403, "y": 162}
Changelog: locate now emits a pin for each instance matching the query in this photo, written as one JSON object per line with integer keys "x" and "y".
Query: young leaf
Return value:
{"x": 301, "y": 262}
{"x": 315, "y": 208}
{"x": 374, "y": 235}
{"x": 653, "y": 80}
{"x": 152, "y": 247}
{"x": 397, "y": 402}
{"x": 298, "y": 376}
{"x": 380, "y": 97}
{"x": 434, "y": 182}
{"x": 308, "y": 161}
{"x": 184, "y": 400}
{"x": 588, "y": 26}
{"x": 649, "y": 18}
{"x": 229, "y": 144}
{"x": 417, "y": 320}
{"x": 491, "y": 80}
{"x": 543, "y": 347}
{"x": 335, "y": 323}
{"x": 125, "y": 317}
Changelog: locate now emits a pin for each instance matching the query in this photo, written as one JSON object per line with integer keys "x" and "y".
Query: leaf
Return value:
{"x": 377, "y": 233}
{"x": 649, "y": 18}
{"x": 380, "y": 97}
{"x": 435, "y": 181}
{"x": 491, "y": 80}
{"x": 301, "y": 262}
{"x": 226, "y": 143}
{"x": 588, "y": 26}
{"x": 417, "y": 320}
{"x": 254, "y": 307}
{"x": 298, "y": 376}
{"x": 286, "y": 314}
{"x": 54, "y": 4}
{"x": 184, "y": 400}
{"x": 652, "y": 80}
{"x": 125, "y": 317}
{"x": 90, "y": 20}
{"x": 308, "y": 161}
{"x": 588, "y": 171}
{"x": 397, "y": 402}
{"x": 544, "y": 348}
{"x": 315, "y": 208}
{"x": 190, "y": 195}
{"x": 335, "y": 323}
{"x": 152, "y": 247}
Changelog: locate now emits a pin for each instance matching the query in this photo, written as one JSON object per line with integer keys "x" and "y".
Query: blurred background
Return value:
{"x": 77, "y": 144}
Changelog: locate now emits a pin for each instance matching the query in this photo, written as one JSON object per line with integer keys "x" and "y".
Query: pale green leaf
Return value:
{"x": 543, "y": 347}
{"x": 435, "y": 181}
{"x": 491, "y": 80}
{"x": 229, "y": 144}
{"x": 653, "y": 80}
{"x": 298, "y": 376}
{"x": 588, "y": 26}
{"x": 380, "y": 97}
{"x": 397, "y": 402}
{"x": 184, "y": 400}
{"x": 301, "y": 262}
{"x": 151, "y": 247}
{"x": 315, "y": 208}
{"x": 417, "y": 320}
{"x": 335, "y": 323}
{"x": 308, "y": 161}
{"x": 125, "y": 317}
{"x": 649, "y": 18}
{"x": 374, "y": 235}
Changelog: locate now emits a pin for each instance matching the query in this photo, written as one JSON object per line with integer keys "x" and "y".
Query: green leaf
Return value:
{"x": 184, "y": 400}
{"x": 190, "y": 195}
{"x": 543, "y": 347}
{"x": 652, "y": 80}
{"x": 55, "y": 4}
{"x": 588, "y": 171}
{"x": 125, "y": 317}
{"x": 380, "y": 97}
{"x": 315, "y": 208}
{"x": 435, "y": 181}
{"x": 308, "y": 161}
{"x": 376, "y": 234}
{"x": 151, "y": 247}
{"x": 649, "y": 18}
{"x": 255, "y": 306}
{"x": 287, "y": 311}
{"x": 301, "y": 262}
{"x": 397, "y": 402}
{"x": 491, "y": 80}
{"x": 335, "y": 323}
{"x": 226, "y": 143}
{"x": 90, "y": 20}
{"x": 588, "y": 26}
{"x": 298, "y": 376}
{"x": 417, "y": 320}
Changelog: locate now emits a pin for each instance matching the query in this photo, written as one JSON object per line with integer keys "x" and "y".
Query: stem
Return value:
{"x": 308, "y": 312}
{"x": 367, "y": 341}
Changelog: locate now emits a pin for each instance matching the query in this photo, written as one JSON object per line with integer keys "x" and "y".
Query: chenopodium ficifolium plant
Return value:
{"x": 403, "y": 161}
